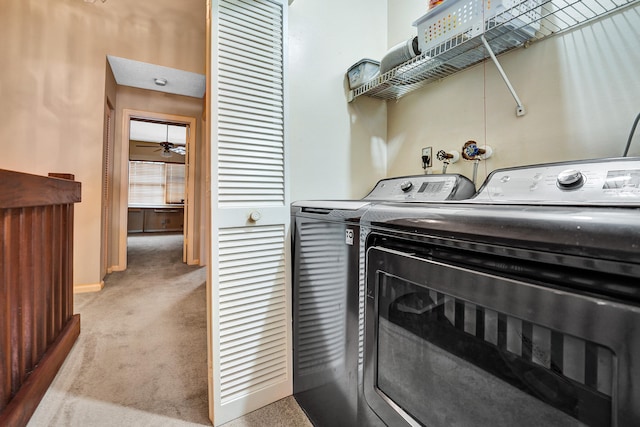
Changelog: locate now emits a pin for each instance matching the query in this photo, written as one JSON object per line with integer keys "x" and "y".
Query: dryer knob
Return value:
{"x": 570, "y": 179}
{"x": 406, "y": 186}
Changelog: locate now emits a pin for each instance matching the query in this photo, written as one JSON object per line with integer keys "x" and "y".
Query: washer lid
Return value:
{"x": 345, "y": 205}
{"x": 608, "y": 182}
{"x": 422, "y": 188}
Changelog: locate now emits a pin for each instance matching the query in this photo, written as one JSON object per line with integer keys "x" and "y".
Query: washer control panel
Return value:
{"x": 423, "y": 188}
{"x": 607, "y": 181}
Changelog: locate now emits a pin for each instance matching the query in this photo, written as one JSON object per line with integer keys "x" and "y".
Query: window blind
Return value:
{"x": 155, "y": 183}
{"x": 175, "y": 183}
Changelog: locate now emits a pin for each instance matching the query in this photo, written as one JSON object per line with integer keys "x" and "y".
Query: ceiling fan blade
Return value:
{"x": 165, "y": 146}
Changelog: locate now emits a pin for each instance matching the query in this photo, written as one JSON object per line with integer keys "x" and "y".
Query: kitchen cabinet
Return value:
{"x": 508, "y": 27}
{"x": 135, "y": 223}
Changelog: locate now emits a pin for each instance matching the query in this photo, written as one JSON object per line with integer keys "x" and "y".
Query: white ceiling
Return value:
{"x": 156, "y": 132}
{"x": 142, "y": 75}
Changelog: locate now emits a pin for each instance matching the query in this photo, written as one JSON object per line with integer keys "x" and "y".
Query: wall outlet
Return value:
{"x": 427, "y": 158}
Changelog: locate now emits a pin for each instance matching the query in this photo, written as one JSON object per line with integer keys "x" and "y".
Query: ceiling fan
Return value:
{"x": 168, "y": 148}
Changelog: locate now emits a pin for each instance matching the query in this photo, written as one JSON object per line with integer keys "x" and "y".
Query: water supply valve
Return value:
{"x": 471, "y": 151}
{"x": 447, "y": 158}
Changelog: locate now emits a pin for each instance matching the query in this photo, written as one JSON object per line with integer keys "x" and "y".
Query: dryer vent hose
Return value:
{"x": 399, "y": 53}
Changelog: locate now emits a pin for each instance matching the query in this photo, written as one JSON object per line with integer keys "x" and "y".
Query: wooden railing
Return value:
{"x": 37, "y": 324}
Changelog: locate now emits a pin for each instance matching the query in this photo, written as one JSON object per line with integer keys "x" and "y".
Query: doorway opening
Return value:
{"x": 157, "y": 184}
{"x": 157, "y": 190}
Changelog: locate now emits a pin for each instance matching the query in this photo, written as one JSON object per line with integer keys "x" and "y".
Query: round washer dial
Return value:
{"x": 406, "y": 186}
{"x": 570, "y": 179}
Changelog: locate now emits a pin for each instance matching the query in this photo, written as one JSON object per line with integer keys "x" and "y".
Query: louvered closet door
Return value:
{"x": 250, "y": 280}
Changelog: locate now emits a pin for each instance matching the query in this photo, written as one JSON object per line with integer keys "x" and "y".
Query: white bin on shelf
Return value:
{"x": 466, "y": 19}
{"x": 362, "y": 71}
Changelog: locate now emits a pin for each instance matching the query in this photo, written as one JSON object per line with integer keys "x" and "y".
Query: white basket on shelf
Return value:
{"x": 465, "y": 19}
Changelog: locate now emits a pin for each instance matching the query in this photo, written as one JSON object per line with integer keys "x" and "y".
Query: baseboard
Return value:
{"x": 91, "y": 287}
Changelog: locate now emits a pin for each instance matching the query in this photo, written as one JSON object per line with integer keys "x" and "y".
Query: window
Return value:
{"x": 155, "y": 183}
{"x": 175, "y": 183}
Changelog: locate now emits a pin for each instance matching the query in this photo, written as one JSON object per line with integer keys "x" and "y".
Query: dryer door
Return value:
{"x": 450, "y": 346}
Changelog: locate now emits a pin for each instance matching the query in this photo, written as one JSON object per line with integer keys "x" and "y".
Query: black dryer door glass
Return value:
{"x": 447, "y": 360}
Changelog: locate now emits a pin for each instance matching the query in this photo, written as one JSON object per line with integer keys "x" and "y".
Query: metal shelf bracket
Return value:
{"x": 520, "y": 111}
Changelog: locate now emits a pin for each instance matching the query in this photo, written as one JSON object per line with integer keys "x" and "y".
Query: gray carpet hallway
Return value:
{"x": 141, "y": 358}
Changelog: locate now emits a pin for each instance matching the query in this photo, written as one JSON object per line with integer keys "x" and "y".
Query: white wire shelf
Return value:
{"x": 503, "y": 32}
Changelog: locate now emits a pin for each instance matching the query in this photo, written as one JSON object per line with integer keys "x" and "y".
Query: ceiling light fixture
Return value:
{"x": 160, "y": 81}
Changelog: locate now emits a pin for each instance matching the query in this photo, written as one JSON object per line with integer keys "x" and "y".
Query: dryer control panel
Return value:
{"x": 422, "y": 188}
{"x": 608, "y": 182}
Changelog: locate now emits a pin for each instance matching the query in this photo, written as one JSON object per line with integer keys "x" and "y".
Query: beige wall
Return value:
{"x": 52, "y": 87}
{"x": 337, "y": 149}
{"x": 580, "y": 89}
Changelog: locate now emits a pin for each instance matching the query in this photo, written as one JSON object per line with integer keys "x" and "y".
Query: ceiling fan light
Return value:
{"x": 166, "y": 153}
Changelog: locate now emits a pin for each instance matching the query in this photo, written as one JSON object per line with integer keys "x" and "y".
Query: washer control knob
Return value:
{"x": 406, "y": 186}
{"x": 570, "y": 179}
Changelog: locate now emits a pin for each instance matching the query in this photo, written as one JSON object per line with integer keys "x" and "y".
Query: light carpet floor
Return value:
{"x": 141, "y": 358}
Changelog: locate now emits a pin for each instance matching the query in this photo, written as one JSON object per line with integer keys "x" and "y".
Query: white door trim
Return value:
{"x": 106, "y": 225}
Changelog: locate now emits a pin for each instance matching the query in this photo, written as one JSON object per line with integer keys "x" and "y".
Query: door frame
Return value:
{"x": 108, "y": 151}
{"x": 190, "y": 162}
